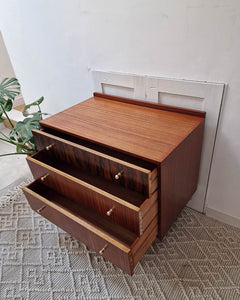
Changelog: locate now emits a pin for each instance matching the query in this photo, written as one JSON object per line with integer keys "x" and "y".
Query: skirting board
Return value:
{"x": 230, "y": 220}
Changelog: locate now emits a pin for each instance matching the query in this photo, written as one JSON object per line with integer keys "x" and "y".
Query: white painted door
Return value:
{"x": 190, "y": 94}
{"x": 124, "y": 85}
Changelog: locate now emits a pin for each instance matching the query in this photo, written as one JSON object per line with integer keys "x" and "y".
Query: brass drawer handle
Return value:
{"x": 103, "y": 249}
{"x": 109, "y": 212}
{"x": 44, "y": 177}
{"x": 41, "y": 209}
{"x": 49, "y": 147}
{"x": 118, "y": 175}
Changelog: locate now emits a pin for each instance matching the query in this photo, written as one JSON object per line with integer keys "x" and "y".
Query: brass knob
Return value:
{"x": 118, "y": 175}
{"x": 41, "y": 208}
{"x": 44, "y": 177}
{"x": 49, "y": 147}
{"x": 103, "y": 249}
{"x": 109, "y": 212}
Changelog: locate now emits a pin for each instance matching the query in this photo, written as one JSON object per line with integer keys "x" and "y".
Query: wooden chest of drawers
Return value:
{"x": 115, "y": 172}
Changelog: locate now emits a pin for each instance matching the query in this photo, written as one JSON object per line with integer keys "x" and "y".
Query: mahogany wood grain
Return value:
{"x": 147, "y": 133}
{"x": 92, "y": 141}
{"x": 132, "y": 177}
{"x": 129, "y": 208}
{"x": 49, "y": 161}
{"x": 100, "y": 149}
{"x": 123, "y": 249}
{"x": 179, "y": 178}
{"x": 91, "y": 236}
{"x": 55, "y": 199}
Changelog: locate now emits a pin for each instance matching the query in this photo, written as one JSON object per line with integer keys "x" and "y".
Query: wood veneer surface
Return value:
{"x": 97, "y": 181}
{"x": 132, "y": 176}
{"x": 144, "y": 132}
{"x": 123, "y": 235}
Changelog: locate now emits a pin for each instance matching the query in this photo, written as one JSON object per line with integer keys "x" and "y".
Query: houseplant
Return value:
{"x": 21, "y": 133}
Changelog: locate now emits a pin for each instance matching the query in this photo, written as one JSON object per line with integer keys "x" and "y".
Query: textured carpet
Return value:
{"x": 198, "y": 259}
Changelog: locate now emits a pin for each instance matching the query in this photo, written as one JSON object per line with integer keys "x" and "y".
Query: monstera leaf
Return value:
{"x": 35, "y": 103}
{"x": 21, "y": 133}
{"x": 7, "y": 105}
{"x": 9, "y": 89}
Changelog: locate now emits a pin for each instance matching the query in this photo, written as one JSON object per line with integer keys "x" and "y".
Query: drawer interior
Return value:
{"x": 130, "y": 196}
{"x": 89, "y": 216}
{"x": 111, "y": 152}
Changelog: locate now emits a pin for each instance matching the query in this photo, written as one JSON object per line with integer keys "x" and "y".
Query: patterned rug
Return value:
{"x": 198, "y": 259}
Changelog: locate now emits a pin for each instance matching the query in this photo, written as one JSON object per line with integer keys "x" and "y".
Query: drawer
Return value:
{"x": 120, "y": 246}
{"x": 132, "y": 173}
{"x": 127, "y": 208}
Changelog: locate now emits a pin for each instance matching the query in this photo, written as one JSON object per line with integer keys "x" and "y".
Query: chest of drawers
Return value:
{"x": 116, "y": 172}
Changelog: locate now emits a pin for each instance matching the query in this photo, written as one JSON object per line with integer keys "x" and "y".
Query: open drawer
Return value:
{"x": 127, "y": 208}
{"x": 119, "y": 245}
{"x": 132, "y": 173}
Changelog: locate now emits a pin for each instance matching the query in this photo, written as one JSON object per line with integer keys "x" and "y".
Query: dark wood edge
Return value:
{"x": 181, "y": 110}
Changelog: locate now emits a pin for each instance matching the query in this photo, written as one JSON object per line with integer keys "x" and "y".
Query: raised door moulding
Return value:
{"x": 124, "y": 85}
{"x": 183, "y": 93}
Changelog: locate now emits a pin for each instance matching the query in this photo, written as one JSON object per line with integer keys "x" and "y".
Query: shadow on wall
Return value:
{"x": 226, "y": 210}
{"x": 223, "y": 200}
{"x": 6, "y": 70}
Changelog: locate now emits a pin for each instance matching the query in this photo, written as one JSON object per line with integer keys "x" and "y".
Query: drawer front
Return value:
{"x": 123, "y": 213}
{"x": 126, "y": 174}
{"x": 92, "y": 237}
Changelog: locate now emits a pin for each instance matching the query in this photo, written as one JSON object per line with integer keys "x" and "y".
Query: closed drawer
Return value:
{"x": 132, "y": 173}
{"x": 127, "y": 208}
{"x": 123, "y": 248}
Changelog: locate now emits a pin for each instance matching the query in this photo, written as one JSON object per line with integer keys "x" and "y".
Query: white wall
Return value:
{"x": 54, "y": 45}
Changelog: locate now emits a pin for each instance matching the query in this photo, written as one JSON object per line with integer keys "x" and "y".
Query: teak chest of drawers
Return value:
{"x": 115, "y": 172}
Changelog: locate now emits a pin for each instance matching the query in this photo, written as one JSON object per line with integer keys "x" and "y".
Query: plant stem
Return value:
{"x": 15, "y": 153}
{"x": 6, "y": 137}
{"x": 1, "y": 139}
{"x": 16, "y": 144}
{"x": 10, "y": 122}
{"x": 39, "y": 109}
{"x": 23, "y": 146}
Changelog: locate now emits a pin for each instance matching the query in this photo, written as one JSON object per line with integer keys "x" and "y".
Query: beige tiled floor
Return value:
{"x": 14, "y": 168}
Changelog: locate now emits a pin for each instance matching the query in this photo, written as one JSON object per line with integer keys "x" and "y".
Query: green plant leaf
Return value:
{"x": 35, "y": 103}
{"x": 12, "y": 137}
{"x": 21, "y": 134}
{"x": 2, "y": 101}
{"x": 4, "y": 80}
{"x": 9, "y": 88}
{"x": 8, "y": 105}
{"x": 13, "y": 82}
{"x": 22, "y": 131}
{"x": 21, "y": 149}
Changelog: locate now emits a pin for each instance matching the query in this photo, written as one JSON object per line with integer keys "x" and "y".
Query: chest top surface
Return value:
{"x": 146, "y": 132}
